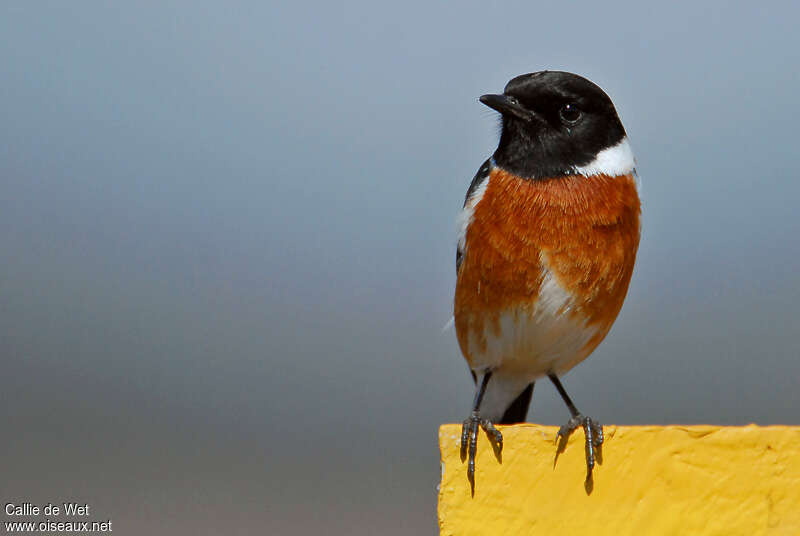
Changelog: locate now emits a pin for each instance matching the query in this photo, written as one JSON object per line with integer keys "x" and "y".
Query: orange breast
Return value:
{"x": 583, "y": 230}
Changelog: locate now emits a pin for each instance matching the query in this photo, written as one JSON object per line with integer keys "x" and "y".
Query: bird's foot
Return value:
{"x": 593, "y": 431}
{"x": 469, "y": 442}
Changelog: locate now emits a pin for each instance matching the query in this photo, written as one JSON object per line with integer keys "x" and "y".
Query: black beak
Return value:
{"x": 508, "y": 106}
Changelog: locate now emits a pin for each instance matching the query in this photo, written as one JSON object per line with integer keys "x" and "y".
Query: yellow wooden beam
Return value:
{"x": 681, "y": 480}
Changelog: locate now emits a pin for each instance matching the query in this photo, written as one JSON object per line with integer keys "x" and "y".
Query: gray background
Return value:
{"x": 228, "y": 244}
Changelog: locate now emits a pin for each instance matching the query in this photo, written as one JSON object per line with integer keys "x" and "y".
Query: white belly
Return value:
{"x": 533, "y": 340}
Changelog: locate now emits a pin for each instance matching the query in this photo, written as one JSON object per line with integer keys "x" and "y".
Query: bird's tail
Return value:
{"x": 518, "y": 409}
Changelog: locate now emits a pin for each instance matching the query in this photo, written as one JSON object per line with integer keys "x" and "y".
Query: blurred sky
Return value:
{"x": 228, "y": 238}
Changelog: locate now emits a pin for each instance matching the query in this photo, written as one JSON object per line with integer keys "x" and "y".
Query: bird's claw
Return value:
{"x": 593, "y": 431}
{"x": 469, "y": 441}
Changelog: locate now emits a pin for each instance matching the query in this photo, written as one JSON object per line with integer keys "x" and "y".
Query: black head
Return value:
{"x": 552, "y": 123}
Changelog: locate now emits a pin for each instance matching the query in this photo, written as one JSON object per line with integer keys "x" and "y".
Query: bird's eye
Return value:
{"x": 570, "y": 114}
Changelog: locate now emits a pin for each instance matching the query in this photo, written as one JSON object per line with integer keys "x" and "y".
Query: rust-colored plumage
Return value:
{"x": 582, "y": 231}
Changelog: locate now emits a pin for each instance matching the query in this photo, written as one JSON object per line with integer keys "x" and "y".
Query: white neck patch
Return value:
{"x": 614, "y": 161}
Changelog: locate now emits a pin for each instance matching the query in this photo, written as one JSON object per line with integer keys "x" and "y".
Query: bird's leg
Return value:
{"x": 469, "y": 431}
{"x": 592, "y": 430}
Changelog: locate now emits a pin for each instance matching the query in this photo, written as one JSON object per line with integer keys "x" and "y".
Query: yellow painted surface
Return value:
{"x": 653, "y": 480}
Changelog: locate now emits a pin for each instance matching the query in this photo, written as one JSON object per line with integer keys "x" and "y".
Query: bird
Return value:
{"x": 547, "y": 242}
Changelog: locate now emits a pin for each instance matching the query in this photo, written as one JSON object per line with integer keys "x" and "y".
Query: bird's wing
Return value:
{"x": 466, "y": 213}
